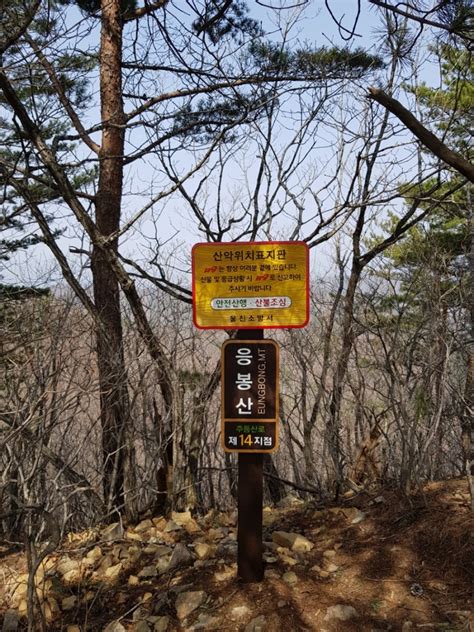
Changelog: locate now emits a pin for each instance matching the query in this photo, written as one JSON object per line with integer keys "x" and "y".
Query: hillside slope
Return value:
{"x": 371, "y": 564}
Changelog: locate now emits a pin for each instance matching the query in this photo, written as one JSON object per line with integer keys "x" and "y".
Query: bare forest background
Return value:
{"x": 131, "y": 130}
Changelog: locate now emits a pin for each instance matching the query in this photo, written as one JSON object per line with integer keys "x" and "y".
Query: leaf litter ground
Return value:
{"x": 393, "y": 563}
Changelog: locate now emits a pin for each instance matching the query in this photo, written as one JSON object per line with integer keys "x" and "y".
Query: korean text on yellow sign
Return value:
{"x": 249, "y": 285}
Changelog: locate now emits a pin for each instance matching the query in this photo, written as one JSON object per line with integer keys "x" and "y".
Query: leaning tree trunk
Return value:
{"x": 114, "y": 401}
{"x": 333, "y": 428}
{"x": 468, "y": 413}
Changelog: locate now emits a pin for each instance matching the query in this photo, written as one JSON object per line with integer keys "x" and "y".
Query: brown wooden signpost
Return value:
{"x": 250, "y": 287}
{"x": 249, "y": 396}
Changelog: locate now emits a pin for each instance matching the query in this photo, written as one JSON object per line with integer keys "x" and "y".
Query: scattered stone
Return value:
{"x": 106, "y": 561}
{"x": 112, "y": 532}
{"x": 204, "y": 551}
{"x": 48, "y": 564}
{"x": 323, "y": 573}
{"x": 84, "y": 538}
{"x": 259, "y": 624}
{"x": 19, "y": 586}
{"x": 290, "y": 578}
{"x": 210, "y": 517}
{"x": 379, "y": 500}
{"x": 359, "y": 517}
{"x": 293, "y": 541}
{"x": 69, "y": 603}
{"x": 215, "y": 534}
{"x": 238, "y": 612}
{"x": 181, "y": 556}
{"x": 144, "y": 525}
{"x": 50, "y": 609}
{"x": 181, "y": 517}
{"x": 73, "y": 628}
{"x": 162, "y": 564}
{"x": 132, "y": 555}
{"x": 192, "y": 527}
{"x": 114, "y": 571}
{"x": 70, "y": 570}
{"x": 281, "y": 604}
{"x": 340, "y": 612}
{"x": 271, "y": 573}
{"x": 135, "y": 537}
{"x": 227, "y": 573}
{"x": 353, "y": 515}
{"x": 288, "y": 561}
{"x": 161, "y": 624}
{"x": 187, "y": 602}
{"x": 119, "y": 552}
{"x": 147, "y": 572}
{"x": 269, "y": 559}
{"x": 133, "y": 580}
{"x": 93, "y": 556}
{"x": 171, "y": 526}
{"x": 202, "y": 563}
{"x": 329, "y": 553}
{"x": 226, "y": 549}
{"x": 330, "y": 567}
{"x": 272, "y": 546}
{"x": 269, "y": 517}
{"x": 115, "y": 626}
{"x": 290, "y": 501}
{"x": 157, "y": 550}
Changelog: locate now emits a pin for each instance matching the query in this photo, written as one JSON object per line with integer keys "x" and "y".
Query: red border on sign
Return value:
{"x": 213, "y": 244}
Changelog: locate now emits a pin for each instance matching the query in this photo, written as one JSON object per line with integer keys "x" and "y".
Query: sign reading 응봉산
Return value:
{"x": 250, "y": 285}
{"x": 249, "y": 393}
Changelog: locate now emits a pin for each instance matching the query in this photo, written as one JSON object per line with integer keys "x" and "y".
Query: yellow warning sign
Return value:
{"x": 251, "y": 285}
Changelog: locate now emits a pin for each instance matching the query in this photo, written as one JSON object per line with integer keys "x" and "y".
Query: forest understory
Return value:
{"x": 376, "y": 561}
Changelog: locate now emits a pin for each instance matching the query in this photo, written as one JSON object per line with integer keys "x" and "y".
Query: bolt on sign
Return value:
{"x": 250, "y": 285}
{"x": 249, "y": 411}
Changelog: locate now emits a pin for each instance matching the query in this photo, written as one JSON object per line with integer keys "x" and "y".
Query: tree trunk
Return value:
{"x": 333, "y": 425}
{"x": 468, "y": 416}
{"x": 114, "y": 400}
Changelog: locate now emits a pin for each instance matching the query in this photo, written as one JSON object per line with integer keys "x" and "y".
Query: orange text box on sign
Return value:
{"x": 251, "y": 285}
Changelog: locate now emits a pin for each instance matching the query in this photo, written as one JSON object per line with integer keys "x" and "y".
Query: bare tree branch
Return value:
{"x": 427, "y": 138}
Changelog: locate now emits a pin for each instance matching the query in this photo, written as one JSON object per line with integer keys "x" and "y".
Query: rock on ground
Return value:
{"x": 259, "y": 624}
{"x": 294, "y": 541}
{"x": 187, "y": 602}
{"x": 341, "y": 612}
